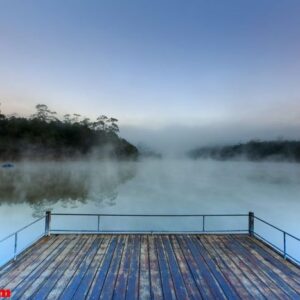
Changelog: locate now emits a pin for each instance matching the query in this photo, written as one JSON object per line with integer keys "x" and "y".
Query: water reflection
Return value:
{"x": 271, "y": 190}
{"x": 43, "y": 184}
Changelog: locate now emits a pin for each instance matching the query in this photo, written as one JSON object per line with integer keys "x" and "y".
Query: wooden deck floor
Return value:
{"x": 150, "y": 267}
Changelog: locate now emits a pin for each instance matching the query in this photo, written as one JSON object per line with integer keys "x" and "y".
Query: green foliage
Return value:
{"x": 43, "y": 113}
{"x": 106, "y": 124}
{"x": 1, "y": 115}
{"x": 44, "y": 136}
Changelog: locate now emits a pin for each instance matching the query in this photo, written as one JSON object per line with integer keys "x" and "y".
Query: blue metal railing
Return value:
{"x": 250, "y": 230}
{"x": 98, "y": 216}
{"x": 283, "y": 251}
{"x": 15, "y": 236}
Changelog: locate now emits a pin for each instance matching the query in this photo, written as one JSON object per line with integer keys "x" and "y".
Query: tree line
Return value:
{"x": 278, "y": 150}
{"x": 44, "y": 135}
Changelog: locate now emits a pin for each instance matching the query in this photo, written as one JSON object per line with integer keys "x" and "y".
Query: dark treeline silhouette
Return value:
{"x": 45, "y": 136}
{"x": 280, "y": 150}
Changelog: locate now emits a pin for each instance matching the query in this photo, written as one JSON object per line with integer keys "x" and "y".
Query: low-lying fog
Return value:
{"x": 182, "y": 186}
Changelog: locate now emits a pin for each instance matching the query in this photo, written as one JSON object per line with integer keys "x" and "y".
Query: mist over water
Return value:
{"x": 151, "y": 186}
{"x": 43, "y": 184}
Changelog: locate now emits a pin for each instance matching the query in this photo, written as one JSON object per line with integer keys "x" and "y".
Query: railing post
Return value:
{"x": 251, "y": 223}
{"x": 284, "y": 245}
{"x": 47, "y": 222}
{"x": 16, "y": 246}
{"x": 98, "y": 223}
{"x": 203, "y": 223}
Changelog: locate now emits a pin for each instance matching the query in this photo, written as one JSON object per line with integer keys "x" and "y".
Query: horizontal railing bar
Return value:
{"x": 2, "y": 267}
{"x": 276, "y": 248}
{"x": 277, "y": 228}
{"x": 293, "y": 259}
{"x": 69, "y": 230}
{"x": 268, "y": 242}
{"x": 151, "y": 215}
{"x": 147, "y": 231}
{"x": 228, "y": 231}
{"x": 30, "y": 244}
{"x": 160, "y": 231}
{"x": 7, "y": 237}
{"x": 151, "y": 232}
{"x": 23, "y": 228}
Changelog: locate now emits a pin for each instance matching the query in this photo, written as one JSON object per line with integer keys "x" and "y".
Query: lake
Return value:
{"x": 151, "y": 186}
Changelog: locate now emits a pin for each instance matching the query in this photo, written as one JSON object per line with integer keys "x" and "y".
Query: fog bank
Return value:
{"x": 177, "y": 139}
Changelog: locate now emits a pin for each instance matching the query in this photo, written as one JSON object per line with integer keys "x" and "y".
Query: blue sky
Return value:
{"x": 156, "y": 64}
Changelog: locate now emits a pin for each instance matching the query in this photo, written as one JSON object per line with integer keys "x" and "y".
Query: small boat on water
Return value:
{"x": 7, "y": 165}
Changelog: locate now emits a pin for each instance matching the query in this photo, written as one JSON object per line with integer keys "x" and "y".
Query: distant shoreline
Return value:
{"x": 276, "y": 151}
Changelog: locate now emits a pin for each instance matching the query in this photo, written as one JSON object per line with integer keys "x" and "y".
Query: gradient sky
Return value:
{"x": 156, "y": 65}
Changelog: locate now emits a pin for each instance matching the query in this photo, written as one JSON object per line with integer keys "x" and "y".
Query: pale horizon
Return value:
{"x": 220, "y": 72}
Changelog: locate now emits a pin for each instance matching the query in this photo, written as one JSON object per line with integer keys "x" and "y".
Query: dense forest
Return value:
{"x": 44, "y": 136}
{"x": 279, "y": 150}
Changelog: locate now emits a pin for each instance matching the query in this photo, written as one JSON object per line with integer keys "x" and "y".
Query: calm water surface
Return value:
{"x": 271, "y": 190}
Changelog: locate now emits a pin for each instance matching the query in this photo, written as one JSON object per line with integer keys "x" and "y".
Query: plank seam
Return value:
{"x": 271, "y": 277}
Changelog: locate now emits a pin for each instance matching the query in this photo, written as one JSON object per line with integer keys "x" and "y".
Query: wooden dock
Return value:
{"x": 150, "y": 267}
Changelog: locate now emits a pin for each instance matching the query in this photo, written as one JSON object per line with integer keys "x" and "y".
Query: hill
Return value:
{"x": 43, "y": 136}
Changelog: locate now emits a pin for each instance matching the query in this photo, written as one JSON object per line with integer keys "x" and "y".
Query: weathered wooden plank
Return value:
{"x": 259, "y": 289}
{"x": 43, "y": 290}
{"x": 35, "y": 278}
{"x": 32, "y": 260}
{"x": 276, "y": 263}
{"x": 228, "y": 273}
{"x": 237, "y": 270}
{"x": 271, "y": 274}
{"x": 121, "y": 283}
{"x": 165, "y": 274}
{"x": 70, "y": 290}
{"x": 269, "y": 289}
{"x": 151, "y": 267}
{"x": 99, "y": 278}
{"x": 180, "y": 288}
{"x": 110, "y": 281}
{"x": 155, "y": 280}
{"x": 190, "y": 284}
{"x": 280, "y": 269}
{"x": 34, "y": 249}
{"x": 144, "y": 286}
{"x": 86, "y": 282}
{"x": 196, "y": 272}
{"x": 212, "y": 283}
{"x": 40, "y": 288}
{"x": 270, "y": 252}
{"x": 228, "y": 290}
{"x": 133, "y": 278}
{"x": 67, "y": 276}
{"x": 20, "y": 275}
